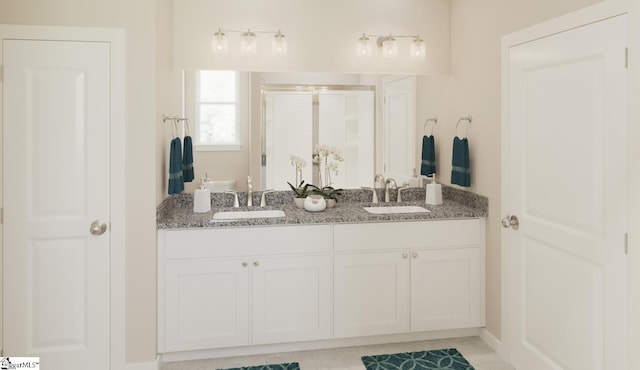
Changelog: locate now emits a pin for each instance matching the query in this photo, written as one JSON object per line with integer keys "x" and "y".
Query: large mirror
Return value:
{"x": 268, "y": 117}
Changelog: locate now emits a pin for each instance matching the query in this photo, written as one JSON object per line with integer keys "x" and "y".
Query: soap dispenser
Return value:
{"x": 433, "y": 194}
{"x": 202, "y": 198}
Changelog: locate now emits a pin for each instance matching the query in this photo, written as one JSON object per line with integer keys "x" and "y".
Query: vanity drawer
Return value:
{"x": 403, "y": 235}
{"x": 239, "y": 242}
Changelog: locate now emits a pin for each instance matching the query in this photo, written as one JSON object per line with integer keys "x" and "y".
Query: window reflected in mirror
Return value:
{"x": 216, "y": 108}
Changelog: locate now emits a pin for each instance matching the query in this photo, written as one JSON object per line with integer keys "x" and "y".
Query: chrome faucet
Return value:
{"x": 400, "y": 192}
{"x": 374, "y": 200}
{"x": 378, "y": 181}
{"x": 249, "y": 192}
{"x": 263, "y": 198}
{"x": 236, "y": 204}
{"x": 389, "y": 184}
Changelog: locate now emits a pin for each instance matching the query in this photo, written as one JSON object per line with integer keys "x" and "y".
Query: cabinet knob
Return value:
{"x": 414, "y": 255}
{"x": 256, "y": 263}
{"x": 404, "y": 255}
{"x": 245, "y": 264}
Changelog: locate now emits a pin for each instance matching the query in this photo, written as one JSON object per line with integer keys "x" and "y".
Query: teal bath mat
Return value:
{"x": 441, "y": 359}
{"x": 286, "y": 366}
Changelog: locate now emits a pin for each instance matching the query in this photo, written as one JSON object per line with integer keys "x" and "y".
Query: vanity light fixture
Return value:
{"x": 248, "y": 42}
{"x": 388, "y": 44}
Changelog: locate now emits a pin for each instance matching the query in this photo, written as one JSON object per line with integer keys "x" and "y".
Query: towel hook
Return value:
{"x": 166, "y": 118}
{"x": 175, "y": 120}
{"x": 469, "y": 119}
{"x": 424, "y": 129}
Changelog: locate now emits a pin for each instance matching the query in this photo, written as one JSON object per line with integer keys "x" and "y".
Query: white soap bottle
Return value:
{"x": 202, "y": 199}
{"x": 433, "y": 192}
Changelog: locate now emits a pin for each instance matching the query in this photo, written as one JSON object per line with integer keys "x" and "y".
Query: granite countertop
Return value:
{"x": 176, "y": 212}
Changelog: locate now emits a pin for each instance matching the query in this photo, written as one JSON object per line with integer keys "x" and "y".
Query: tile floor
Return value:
{"x": 472, "y": 348}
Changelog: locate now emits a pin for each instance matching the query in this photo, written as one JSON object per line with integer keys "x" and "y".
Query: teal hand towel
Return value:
{"x": 187, "y": 160}
{"x": 428, "y": 164}
{"x": 176, "y": 181}
{"x": 460, "y": 170}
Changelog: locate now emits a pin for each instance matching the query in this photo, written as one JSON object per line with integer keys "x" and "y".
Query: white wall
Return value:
{"x": 321, "y": 35}
{"x": 168, "y": 94}
{"x": 476, "y": 29}
{"x": 138, "y": 19}
{"x": 434, "y": 100}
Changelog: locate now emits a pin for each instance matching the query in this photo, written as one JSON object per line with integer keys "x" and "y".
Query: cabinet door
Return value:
{"x": 206, "y": 304}
{"x": 446, "y": 289}
{"x": 371, "y": 294}
{"x": 291, "y": 299}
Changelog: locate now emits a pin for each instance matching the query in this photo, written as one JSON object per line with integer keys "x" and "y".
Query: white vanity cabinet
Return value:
{"x": 408, "y": 276}
{"x": 237, "y": 290}
{"x": 229, "y": 287}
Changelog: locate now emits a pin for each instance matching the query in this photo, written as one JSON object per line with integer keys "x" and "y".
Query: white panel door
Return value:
{"x": 56, "y": 183}
{"x": 371, "y": 293}
{"x": 399, "y": 128}
{"x": 291, "y": 299}
{"x": 567, "y": 116}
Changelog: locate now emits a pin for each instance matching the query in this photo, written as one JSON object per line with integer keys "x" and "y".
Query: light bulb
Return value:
{"x": 248, "y": 43}
{"x": 279, "y": 44}
{"x": 363, "y": 47}
{"x": 389, "y": 47}
{"x": 219, "y": 42}
{"x": 418, "y": 49}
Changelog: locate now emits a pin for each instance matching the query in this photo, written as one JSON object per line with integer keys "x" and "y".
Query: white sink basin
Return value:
{"x": 396, "y": 209}
{"x": 239, "y": 215}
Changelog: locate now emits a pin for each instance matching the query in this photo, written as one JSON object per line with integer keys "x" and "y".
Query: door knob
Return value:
{"x": 511, "y": 222}
{"x": 98, "y": 227}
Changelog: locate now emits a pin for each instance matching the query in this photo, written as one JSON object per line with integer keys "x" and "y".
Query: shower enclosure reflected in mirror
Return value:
{"x": 298, "y": 118}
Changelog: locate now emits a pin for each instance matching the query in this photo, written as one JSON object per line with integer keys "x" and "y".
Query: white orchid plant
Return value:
{"x": 330, "y": 158}
{"x": 299, "y": 163}
{"x": 300, "y": 189}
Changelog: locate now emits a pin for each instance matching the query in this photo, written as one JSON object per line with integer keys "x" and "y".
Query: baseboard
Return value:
{"x": 315, "y": 345}
{"x": 152, "y": 365}
{"x": 491, "y": 341}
